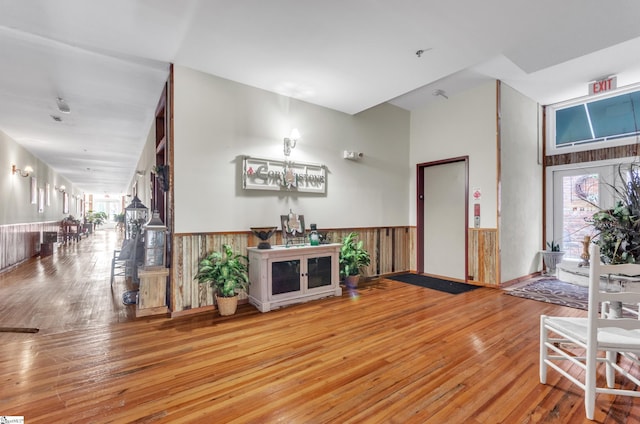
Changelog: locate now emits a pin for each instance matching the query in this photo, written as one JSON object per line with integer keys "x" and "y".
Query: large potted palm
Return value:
{"x": 353, "y": 258}
{"x": 226, "y": 272}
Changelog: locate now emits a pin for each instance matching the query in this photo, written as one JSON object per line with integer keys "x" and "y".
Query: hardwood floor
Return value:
{"x": 395, "y": 354}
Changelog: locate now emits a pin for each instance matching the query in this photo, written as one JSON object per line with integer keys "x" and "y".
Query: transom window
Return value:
{"x": 607, "y": 120}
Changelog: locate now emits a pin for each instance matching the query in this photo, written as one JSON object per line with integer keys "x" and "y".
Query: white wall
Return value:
{"x": 464, "y": 124}
{"x": 217, "y": 121}
{"x": 16, "y": 207}
{"x": 521, "y": 186}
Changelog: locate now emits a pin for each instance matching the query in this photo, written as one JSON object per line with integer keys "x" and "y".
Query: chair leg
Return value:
{"x": 590, "y": 382}
{"x": 612, "y": 357}
{"x": 543, "y": 350}
{"x": 113, "y": 267}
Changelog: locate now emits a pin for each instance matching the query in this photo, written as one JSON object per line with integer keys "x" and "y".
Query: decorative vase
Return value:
{"x": 551, "y": 260}
{"x": 264, "y": 234}
{"x": 351, "y": 281}
{"x": 227, "y": 305}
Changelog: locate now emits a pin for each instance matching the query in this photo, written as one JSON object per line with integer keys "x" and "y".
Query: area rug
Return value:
{"x": 446, "y": 286}
{"x": 551, "y": 290}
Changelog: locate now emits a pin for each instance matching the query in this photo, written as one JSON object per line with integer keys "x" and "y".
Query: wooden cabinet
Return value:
{"x": 286, "y": 275}
{"x": 152, "y": 296}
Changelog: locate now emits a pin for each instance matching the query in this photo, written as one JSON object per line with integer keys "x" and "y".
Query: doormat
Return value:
{"x": 130, "y": 297}
{"x": 18, "y": 330}
{"x": 446, "y": 286}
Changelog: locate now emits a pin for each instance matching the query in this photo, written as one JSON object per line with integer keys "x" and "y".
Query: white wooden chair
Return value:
{"x": 597, "y": 339}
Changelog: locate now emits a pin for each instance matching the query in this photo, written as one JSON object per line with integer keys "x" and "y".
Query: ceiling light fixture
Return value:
{"x": 62, "y": 105}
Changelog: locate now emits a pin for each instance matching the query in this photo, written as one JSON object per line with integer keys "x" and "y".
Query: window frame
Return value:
{"x": 579, "y": 146}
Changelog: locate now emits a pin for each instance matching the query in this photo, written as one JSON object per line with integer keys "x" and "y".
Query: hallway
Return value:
{"x": 396, "y": 353}
{"x": 67, "y": 290}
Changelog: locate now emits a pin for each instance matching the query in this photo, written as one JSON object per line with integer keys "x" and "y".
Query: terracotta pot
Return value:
{"x": 351, "y": 281}
{"x": 227, "y": 305}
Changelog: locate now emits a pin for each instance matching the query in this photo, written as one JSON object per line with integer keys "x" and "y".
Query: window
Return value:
{"x": 609, "y": 121}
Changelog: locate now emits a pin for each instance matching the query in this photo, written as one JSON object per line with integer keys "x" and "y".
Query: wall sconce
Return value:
{"x": 22, "y": 172}
{"x": 61, "y": 188}
{"x": 290, "y": 142}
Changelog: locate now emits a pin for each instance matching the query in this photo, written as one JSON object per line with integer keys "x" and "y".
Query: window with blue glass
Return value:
{"x": 611, "y": 120}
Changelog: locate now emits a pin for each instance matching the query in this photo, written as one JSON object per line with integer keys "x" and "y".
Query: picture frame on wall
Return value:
{"x": 34, "y": 190}
{"x": 65, "y": 202}
{"x": 40, "y": 200}
{"x": 47, "y": 194}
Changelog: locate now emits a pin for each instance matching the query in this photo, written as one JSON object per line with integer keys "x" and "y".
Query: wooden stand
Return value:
{"x": 152, "y": 297}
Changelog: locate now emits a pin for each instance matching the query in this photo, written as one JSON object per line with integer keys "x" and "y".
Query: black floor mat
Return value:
{"x": 446, "y": 286}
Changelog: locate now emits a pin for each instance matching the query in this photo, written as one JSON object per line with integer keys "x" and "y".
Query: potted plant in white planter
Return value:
{"x": 226, "y": 272}
{"x": 353, "y": 257}
{"x": 552, "y": 257}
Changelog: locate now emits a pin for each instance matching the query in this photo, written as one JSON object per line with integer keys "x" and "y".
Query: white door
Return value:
{"x": 444, "y": 220}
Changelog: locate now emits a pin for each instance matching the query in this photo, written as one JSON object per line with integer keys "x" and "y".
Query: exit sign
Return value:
{"x": 601, "y": 86}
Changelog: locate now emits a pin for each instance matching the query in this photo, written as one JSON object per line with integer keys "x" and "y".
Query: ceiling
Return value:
{"x": 109, "y": 60}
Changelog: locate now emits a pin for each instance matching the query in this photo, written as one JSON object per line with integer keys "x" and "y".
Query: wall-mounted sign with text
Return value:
{"x": 271, "y": 174}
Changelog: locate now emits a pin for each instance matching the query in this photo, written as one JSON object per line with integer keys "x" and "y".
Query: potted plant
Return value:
{"x": 162, "y": 175}
{"x": 226, "y": 272}
{"x": 119, "y": 220}
{"x": 618, "y": 228}
{"x": 353, "y": 257}
{"x": 552, "y": 257}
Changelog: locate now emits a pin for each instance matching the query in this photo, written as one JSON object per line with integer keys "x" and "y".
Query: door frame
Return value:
{"x": 420, "y": 210}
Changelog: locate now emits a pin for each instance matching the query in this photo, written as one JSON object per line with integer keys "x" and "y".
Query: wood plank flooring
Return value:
{"x": 397, "y": 353}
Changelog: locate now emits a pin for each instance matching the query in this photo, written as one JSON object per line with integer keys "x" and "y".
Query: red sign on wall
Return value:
{"x": 601, "y": 86}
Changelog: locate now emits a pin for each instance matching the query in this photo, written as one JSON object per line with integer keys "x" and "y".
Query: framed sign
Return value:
{"x": 278, "y": 175}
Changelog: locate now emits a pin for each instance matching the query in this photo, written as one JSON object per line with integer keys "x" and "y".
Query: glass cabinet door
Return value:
{"x": 318, "y": 272}
{"x": 285, "y": 276}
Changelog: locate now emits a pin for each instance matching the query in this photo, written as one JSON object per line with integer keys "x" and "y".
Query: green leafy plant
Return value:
{"x": 353, "y": 256}
{"x": 618, "y": 228}
{"x": 226, "y": 271}
{"x": 553, "y": 246}
{"x": 119, "y": 217}
{"x": 96, "y": 218}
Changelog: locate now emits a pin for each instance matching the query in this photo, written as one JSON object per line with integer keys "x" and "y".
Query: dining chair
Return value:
{"x": 576, "y": 346}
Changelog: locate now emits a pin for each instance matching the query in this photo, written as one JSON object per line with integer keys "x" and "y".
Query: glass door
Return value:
{"x": 319, "y": 272}
{"x": 285, "y": 276}
{"x": 577, "y": 195}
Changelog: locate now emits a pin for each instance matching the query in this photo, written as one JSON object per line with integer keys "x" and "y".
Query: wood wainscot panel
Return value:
{"x": 483, "y": 256}
{"x": 392, "y": 249}
{"x": 19, "y": 242}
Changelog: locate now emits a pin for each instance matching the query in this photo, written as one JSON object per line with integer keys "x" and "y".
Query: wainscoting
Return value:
{"x": 483, "y": 256}
{"x": 392, "y": 249}
{"x": 19, "y": 242}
